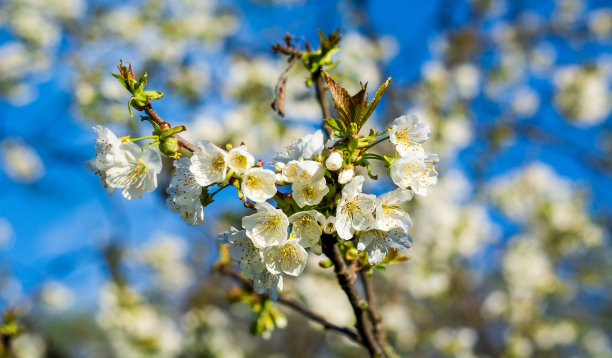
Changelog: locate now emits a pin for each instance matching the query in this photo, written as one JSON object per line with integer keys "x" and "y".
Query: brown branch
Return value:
{"x": 160, "y": 122}
{"x": 346, "y": 279}
{"x": 322, "y": 99}
{"x": 295, "y": 305}
{"x": 375, "y": 316}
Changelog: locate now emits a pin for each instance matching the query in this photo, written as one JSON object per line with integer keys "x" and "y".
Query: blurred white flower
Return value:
{"x": 20, "y": 162}
{"x": 56, "y": 297}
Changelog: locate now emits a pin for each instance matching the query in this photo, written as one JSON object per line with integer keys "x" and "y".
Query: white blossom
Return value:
{"x": 185, "y": 194}
{"x": 377, "y": 243}
{"x": 239, "y": 159}
{"x": 334, "y": 161}
{"x": 242, "y": 249}
{"x": 415, "y": 170}
{"x": 258, "y": 184}
{"x": 306, "y": 226}
{"x": 408, "y": 131}
{"x": 309, "y": 186}
{"x": 388, "y": 211}
{"x": 136, "y": 171}
{"x": 209, "y": 164}
{"x": 267, "y": 227}
{"x": 354, "y": 210}
{"x": 288, "y": 257}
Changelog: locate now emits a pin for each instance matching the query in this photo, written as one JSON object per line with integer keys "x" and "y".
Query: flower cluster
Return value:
{"x": 322, "y": 198}
{"x": 313, "y": 183}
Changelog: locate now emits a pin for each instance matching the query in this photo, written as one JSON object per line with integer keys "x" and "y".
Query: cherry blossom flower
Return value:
{"x": 309, "y": 186}
{"x": 185, "y": 194}
{"x": 306, "y": 226}
{"x": 209, "y": 164}
{"x": 354, "y": 211}
{"x": 388, "y": 212}
{"x": 408, "y": 131}
{"x": 267, "y": 227}
{"x": 415, "y": 170}
{"x": 136, "y": 172}
{"x": 377, "y": 243}
{"x": 258, "y": 184}
{"x": 240, "y": 160}
{"x": 288, "y": 257}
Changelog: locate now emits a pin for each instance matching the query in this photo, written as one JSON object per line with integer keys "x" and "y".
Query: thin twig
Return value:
{"x": 295, "y": 305}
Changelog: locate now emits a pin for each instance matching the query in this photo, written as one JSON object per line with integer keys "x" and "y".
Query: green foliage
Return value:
{"x": 354, "y": 110}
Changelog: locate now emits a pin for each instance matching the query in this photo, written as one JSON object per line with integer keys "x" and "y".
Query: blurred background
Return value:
{"x": 511, "y": 254}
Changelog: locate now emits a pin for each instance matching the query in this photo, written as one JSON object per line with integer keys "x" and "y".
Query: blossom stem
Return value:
{"x": 378, "y": 141}
{"x": 141, "y": 138}
{"x": 218, "y": 190}
{"x": 373, "y": 156}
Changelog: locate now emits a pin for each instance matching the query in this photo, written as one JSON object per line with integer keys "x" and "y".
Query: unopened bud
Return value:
{"x": 346, "y": 175}
{"x": 334, "y": 161}
{"x": 330, "y": 225}
{"x": 259, "y": 163}
{"x": 169, "y": 146}
{"x": 278, "y": 167}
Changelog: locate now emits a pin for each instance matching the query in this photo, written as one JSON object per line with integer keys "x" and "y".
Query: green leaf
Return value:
{"x": 377, "y": 96}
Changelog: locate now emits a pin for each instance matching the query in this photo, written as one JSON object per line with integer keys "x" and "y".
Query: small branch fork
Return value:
{"x": 295, "y": 305}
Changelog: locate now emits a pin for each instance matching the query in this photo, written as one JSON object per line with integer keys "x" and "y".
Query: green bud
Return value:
{"x": 352, "y": 253}
{"x": 326, "y": 264}
{"x": 169, "y": 146}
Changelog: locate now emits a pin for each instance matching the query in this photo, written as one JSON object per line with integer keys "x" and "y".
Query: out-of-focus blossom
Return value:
{"x": 56, "y": 297}
{"x": 20, "y": 162}
{"x": 583, "y": 94}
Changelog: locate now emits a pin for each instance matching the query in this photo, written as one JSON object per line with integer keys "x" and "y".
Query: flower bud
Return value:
{"x": 169, "y": 146}
{"x": 278, "y": 167}
{"x": 334, "y": 161}
{"x": 330, "y": 225}
{"x": 346, "y": 175}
